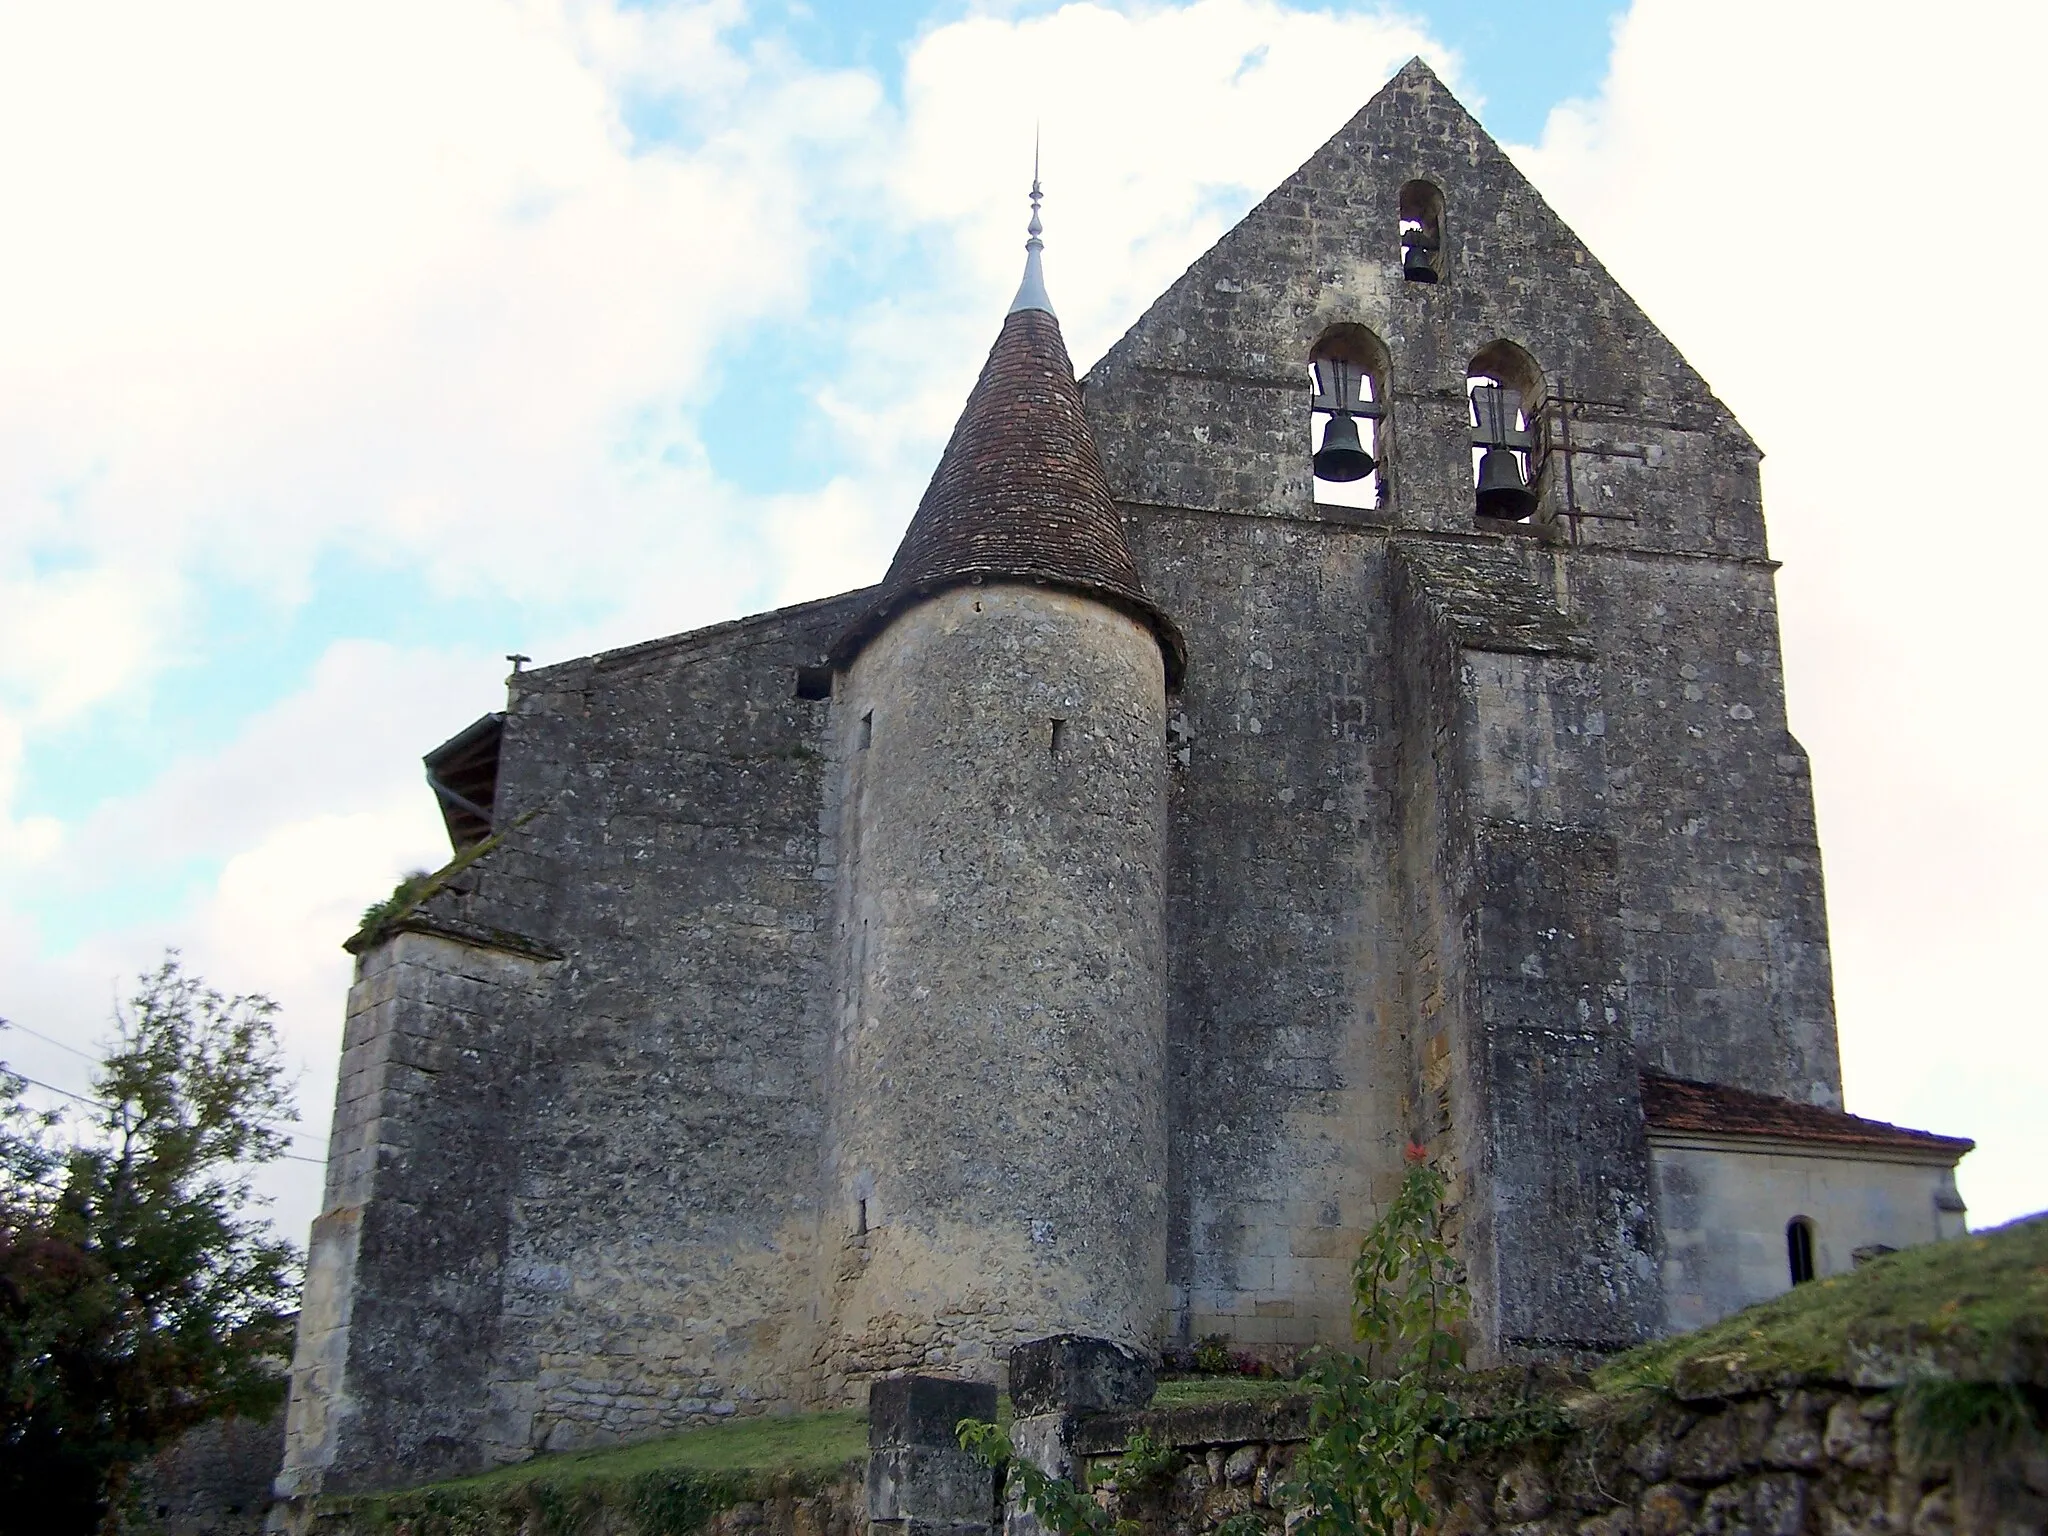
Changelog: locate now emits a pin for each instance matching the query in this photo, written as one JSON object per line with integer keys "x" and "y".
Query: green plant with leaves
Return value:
{"x": 1146, "y": 1462}
{"x": 139, "y": 1292}
{"x": 1059, "y": 1505}
{"x": 1381, "y": 1418}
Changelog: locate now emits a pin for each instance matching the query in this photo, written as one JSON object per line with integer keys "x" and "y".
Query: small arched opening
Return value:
{"x": 1799, "y": 1249}
{"x": 1505, "y": 388}
{"x": 1347, "y": 432}
{"x": 1422, "y": 232}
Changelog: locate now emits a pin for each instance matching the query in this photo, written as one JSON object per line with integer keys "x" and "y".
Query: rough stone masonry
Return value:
{"x": 1067, "y": 935}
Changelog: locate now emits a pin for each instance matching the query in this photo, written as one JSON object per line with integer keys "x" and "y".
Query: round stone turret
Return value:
{"x": 996, "y": 1163}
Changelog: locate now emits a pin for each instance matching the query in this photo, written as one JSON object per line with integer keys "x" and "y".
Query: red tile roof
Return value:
{"x": 1673, "y": 1104}
{"x": 1019, "y": 495}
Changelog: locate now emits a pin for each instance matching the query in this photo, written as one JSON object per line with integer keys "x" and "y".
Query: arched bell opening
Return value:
{"x": 1348, "y": 426}
{"x": 1505, "y": 389}
{"x": 1422, "y": 232}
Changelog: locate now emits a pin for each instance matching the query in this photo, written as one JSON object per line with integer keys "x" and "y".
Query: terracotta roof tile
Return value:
{"x": 1673, "y": 1104}
{"x": 1019, "y": 495}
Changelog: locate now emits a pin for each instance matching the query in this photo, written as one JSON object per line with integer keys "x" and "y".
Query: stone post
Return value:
{"x": 1053, "y": 1382}
{"x": 920, "y": 1483}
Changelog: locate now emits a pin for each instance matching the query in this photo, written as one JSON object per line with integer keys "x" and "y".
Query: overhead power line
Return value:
{"x": 49, "y": 1040}
{"x": 293, "y": 1157}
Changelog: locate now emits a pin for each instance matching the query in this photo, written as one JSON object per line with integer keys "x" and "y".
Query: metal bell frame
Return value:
{"x": 1502, "y": 492}
{"x": 1343, "y": 456}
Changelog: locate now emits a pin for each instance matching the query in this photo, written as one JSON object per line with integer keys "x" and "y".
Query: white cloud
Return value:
{"x": 1836, "y": 223}
{"x": 379, "y": 278}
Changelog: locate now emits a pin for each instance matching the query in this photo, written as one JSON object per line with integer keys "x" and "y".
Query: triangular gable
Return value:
{"x": 1324, "y": 248}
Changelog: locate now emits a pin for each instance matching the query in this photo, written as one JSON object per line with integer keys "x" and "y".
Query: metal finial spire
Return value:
{"x": 1034, "y": 227}
{"x": 1031, "y": 292}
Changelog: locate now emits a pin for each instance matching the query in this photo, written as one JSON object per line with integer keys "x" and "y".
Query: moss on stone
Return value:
{"x": 381, "y": 919}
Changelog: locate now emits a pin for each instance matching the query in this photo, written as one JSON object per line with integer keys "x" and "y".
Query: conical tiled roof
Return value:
{"x": 1019, "y": 495}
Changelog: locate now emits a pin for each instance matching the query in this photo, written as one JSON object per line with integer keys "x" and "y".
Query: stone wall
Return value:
{"x": 1821, "y": 1459}
{"x": 574, "y": 1182}
{"x": 1465, "y": 825}
{"x": 213, "y": 1481}
{"x": 1286, "y": 1023}
{"x": 786, "y": 1506}
{"x": 659, "y": 1262}
{"x": 404, "y": 1270}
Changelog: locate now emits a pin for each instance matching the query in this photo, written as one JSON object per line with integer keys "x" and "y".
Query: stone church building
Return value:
{"x": 1351, "y": 716}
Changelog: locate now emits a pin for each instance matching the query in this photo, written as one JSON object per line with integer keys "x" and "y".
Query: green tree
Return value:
{"x": 141, "y": 1292}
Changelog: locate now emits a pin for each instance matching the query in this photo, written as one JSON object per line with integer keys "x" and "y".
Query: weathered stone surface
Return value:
{"x": 1071, "y": 1373}
{"x": 1795, "y": 1438}
{"x": 925, "y": 1410}
{"x": 1002, "y": 772}
{"x": 213, "y": 1481}
{"x": 1276, "y": 1419}
{"x": 1648, "y": 1454}
{"x": 934, "y": 1485}
{"x": 1523, "y": 1493}
{"x": 1853, "y": 1440}
{"x": 1665, "y": 1509}
{"x": 1539, "y": 1488}
{"x": 588, "y": 1219}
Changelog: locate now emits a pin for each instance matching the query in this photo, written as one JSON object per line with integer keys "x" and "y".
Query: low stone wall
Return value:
{"x": 685, "y": 1507}
{"x": 1820, "y": 1460}
{"x": 214, "y": 1481}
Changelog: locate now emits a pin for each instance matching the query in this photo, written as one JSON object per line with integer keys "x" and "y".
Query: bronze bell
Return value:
{"x": 1502, "y": 491}
{"x": 1342, "y": 456}
{"x": 1418, "y": 263}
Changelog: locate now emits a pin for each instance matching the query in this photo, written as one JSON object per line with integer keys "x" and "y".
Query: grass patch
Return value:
{"x": 1964, "y": 1300}
{"x": 794, "y": 1442}
{"x": 1187, "y": 1391}
{"x": 1946, "y": 1419}
{"x": 665, "y": 1487}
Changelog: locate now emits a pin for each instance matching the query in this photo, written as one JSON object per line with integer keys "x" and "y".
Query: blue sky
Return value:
{"x": 549, "y": 328}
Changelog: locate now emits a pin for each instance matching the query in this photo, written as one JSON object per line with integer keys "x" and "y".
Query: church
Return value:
{"x": 1350, "y": 717}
